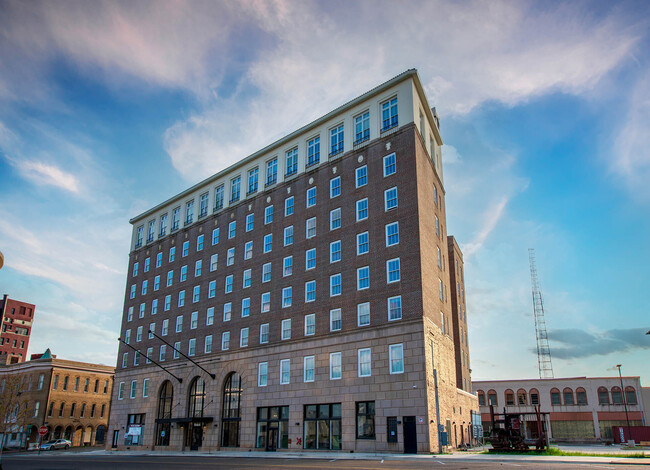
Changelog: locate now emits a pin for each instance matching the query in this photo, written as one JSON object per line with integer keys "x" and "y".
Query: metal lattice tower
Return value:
{"x": 543, "y": 350}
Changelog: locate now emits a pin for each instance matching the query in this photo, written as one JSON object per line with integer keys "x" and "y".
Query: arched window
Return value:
{"x": 534, "y": 396}
{"x": 521, "y": 397}
{"x": 510, "y": 397}
{"x": 197, "y": 398}
{"x": 603, "y": 396}
{"x": 581, "y": 396}
{"x": 231, "y": 417}
{"x": 165, "y": 401}
{"x": 481, "y": 398}
{"x": 617, "y": 396}
{"x": 556, "y": 400}
{"x": 568, "y": 396}
{"x": 630, "y": 395}
{"x": 492, "y": 398}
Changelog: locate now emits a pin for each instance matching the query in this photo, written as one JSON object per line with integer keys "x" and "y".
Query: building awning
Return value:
{"x": 188, "y": 419}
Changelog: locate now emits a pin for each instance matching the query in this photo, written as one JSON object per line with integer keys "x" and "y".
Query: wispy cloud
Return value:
{"x": 41, "y": 173}
{"x": 492, "y": 216}
{"x": 574, "y": 343}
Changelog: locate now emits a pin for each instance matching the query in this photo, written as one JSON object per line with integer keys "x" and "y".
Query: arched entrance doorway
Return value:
{"x": 100, "y": 435}
{"x": 231, "y": 416}
{"x": 196, "y": 402}
{"x": 164, "y": 415}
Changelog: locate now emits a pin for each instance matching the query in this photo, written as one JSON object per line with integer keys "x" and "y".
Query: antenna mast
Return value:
{"x": 543, "y": 350}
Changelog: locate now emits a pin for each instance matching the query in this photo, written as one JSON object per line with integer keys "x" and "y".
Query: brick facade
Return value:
{"x": 17, "y": 320}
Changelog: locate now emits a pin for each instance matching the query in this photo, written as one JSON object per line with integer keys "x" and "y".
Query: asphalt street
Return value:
{"x": 67, "y": 461}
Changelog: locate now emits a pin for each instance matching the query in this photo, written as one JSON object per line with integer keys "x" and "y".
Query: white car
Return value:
{"x": 56, "y": 444}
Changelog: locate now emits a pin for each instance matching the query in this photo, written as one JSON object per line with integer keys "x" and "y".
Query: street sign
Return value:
{"x": 42, "y": 431}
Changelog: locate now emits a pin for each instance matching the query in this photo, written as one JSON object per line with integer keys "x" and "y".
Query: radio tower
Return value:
{"x": 543, "y": 350}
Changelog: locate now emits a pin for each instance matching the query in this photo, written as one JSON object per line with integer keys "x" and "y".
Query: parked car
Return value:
{"x": 56, "y": 444}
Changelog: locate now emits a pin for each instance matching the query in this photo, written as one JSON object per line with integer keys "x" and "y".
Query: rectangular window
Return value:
{"x": 362, "y": 243}
{"x": 156, "y": 283}
{"x": 227, "y": 311}
{"x": 396, "y": 358}
{"x": 268, "y": 215}
{"x": 389, "y": 114}
{"x": 225, "y": 340}
{"x": 144, "y": 287}
{"x": 203, "y": 205}
{"x": 287, "y": 266}
{"x": 271, "y": 171}
{"x": 310, "y": 291}
{"x": 165, "y": 327}
{"x": 177, "y": 348}
{"x": 133, "y": 287}
{"x": 189, "y": 212}
{"x": 363, "y": 278}
{"x": 120, "y": 395}
{"x": 230, "y": 257}
{"x": 248, "y": 250}
{"x": 363, "y": 314}
{"x": 183, "y": 273}
{"x": 199, "y": 243}
{"x": 335, "y": 187}
{"x": 335, "y": 285}
{"x": 361, "y": 128}
{"x": 218, "y": 197}
{"x": 310, "y": 259}
{"x": 235, "y": 188}
{"x": 141, "y": 314}
{"x": 186, "y": 249}
{"x": 214, "y": 259}
{"x": 253, "y": 175}
{"x": 250, "y": 222}
{"x": 176, "y": 218}
{"x": 212, "y": 289}
{"x": 335, "y": 319}
{"x": 152, "y": 330}
{"x": 232, "y": 229}
{"x": 194, "y": 320}
{"x": 179, "y": 323}
{"x": 308, "y": 366}
{"x": 196, "y": 294}
{"x": 313, "y": 151}
{"x": 172, "y": 254}
{"x": 262, "y": 374}
{"x": 266, "y": 302}
{"x": 266, "y": 272}
{"x": 335, "y": 251}
{"x": 440, "y": 289}
{"x": 311, "y": 228}
{"x": 285, "y": 372}
{"x": 362, "y": 209}
{"x": 129, "y": 315}
{"x": 229, "y": 282}
{"x": 159, "y": 260}
{"x": 291, "y": 160}
{"x": 245, "y": 307}
{"x": 365, "y": 419}
{"x": 336, "y": 140}
{"x": 125, "y": 360}
{"x": 364, "y": 362}
{"x": 335, "y": 218}
{"x": 286, "y": 297}
{"x": 140, "y": 235}
{"x": 437, "y": 227}
{"x": 439, "y": 257}
{"x": 390, "y": 166}
{"x": 181, "y": 298}
{"x": 163, "y": 226}
{"x": 191, "y": 347}
{"x": 395, "y": 308}
{"x": 243, "y": 337}
{"x": 392, "y": 234}
{"x": 311, "y": 197}
{"x": 197, "y": 268}
{"x": 268, "y": 243}
{"x": 390, "y": 199}
{"x": 310, "y": 324}
{"x": 286, "y": 329}
{"x": 152, "y": 231}
{"x": 361, "y": 176}
{"x": 207, "y": 344}
{"x": 215, "y": 236}
{"x": 336, "y": 368}
{"x": 264, "y": 333}
{"x": 134, "y": 386}
{"x": 392, "y": 270}
{"x": 288, "y": 235}
{"x": 209, "y": 319}
{"x": 288, "y": 206}
{"x": 135, "y": 269}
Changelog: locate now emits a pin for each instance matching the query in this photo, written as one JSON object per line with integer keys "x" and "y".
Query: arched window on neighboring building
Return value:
{"x": 617, "y": 396}
{"x": 630, "y": 395}
{"x": 568, "y": 396}
{"x": 556, "y": 400}
{"x": 521, "y": 397}
{"x": 534, "y": 396}
{"x": 231, "y": 417}
{"x": 481, "y": 398}
{"x": 165, "y": 401}
{"x": 492, "y": 398}
{"x": 581, "y": 396}
{"x": 603, "y": 396}
{"x": 510, "y": 397}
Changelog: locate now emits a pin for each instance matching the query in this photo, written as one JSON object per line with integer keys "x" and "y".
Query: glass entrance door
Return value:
{"x": 271, "y": 442}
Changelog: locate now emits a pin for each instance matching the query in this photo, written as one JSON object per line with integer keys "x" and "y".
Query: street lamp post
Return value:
{"x": 627, "y": 417}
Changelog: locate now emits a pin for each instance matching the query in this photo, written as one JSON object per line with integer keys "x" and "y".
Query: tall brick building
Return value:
{"x": 17, "y": 320}
{"x": 301, "y": 298}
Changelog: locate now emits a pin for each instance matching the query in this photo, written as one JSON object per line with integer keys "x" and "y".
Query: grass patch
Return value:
{"x": 554, "y": 451}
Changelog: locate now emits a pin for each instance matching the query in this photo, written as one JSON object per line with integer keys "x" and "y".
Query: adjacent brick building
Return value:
{"x": 17, "y": 320}
{"x": 300, "y": 299}
{"x": 71, "y": 398}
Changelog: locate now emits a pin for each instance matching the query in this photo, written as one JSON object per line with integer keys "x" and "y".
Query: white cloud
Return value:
{"x": 491, "y": 218}
{"x": 41, "y": 173}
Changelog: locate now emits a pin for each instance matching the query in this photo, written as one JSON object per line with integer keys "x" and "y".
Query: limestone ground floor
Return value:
{"x": 365, "y": 392}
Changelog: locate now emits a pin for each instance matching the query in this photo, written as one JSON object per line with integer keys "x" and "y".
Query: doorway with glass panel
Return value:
{"x": 322, "y": 426}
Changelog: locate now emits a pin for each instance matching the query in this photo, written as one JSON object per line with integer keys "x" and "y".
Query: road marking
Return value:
{"x": 382, "y": 460}
{"x": 513, "y": 464}
{"x": 441, "y": 463}
{"x": 333, "y": 460}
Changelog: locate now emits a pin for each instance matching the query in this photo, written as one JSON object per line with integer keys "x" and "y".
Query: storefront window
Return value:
{"x": 273, "y": 427}
{"x": 323, "y": 426}
{"x": 134, "y": 430}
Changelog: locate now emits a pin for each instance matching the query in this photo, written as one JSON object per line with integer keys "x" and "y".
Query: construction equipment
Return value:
{"x": 508, "y": 430}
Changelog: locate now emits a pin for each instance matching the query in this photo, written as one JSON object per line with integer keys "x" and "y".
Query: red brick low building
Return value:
{"x": 17, "y": 320}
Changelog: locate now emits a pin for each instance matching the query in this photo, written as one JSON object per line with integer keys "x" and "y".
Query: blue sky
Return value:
{"x": 108, "y": 108}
